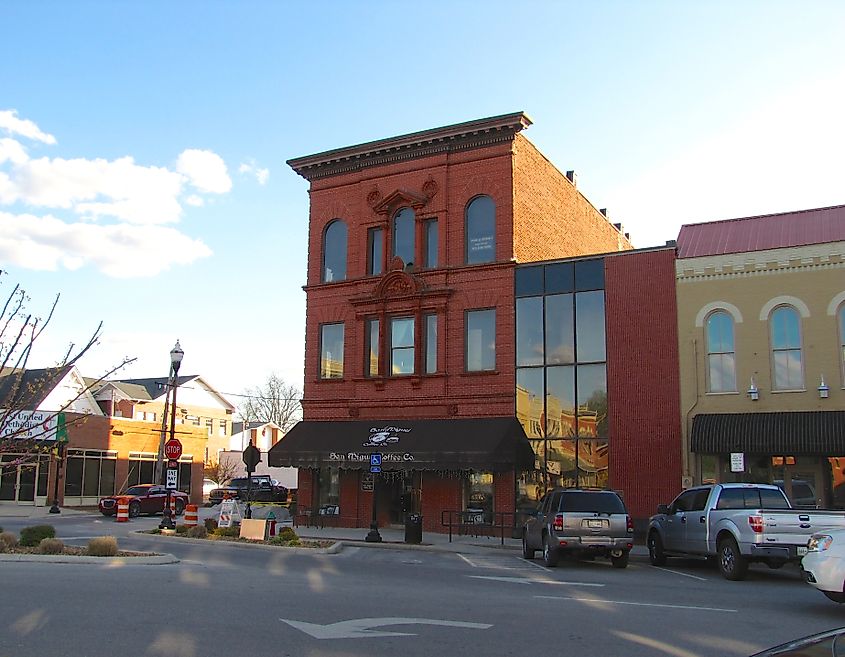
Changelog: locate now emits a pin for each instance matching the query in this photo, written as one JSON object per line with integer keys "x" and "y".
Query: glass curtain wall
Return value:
{"x": 561, "y": 375}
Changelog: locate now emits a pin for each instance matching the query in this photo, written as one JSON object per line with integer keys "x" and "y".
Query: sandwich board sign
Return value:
{"x": 229, "y": 512}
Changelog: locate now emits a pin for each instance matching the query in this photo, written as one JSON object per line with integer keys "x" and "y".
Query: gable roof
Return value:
{"x": 26, "y": 389}
{"x": 131, "y": 391}
{"x": 154, "y": 387}
{"x": 762, "y": 232}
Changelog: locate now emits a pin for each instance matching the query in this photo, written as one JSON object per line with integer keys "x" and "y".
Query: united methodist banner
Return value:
{"x": 46, "y": 426}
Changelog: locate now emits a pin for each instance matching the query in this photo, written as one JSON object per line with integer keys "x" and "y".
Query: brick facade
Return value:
{"x": 643, "y": 380}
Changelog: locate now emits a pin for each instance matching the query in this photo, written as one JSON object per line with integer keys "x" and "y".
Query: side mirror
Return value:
{"x": 663, "y": 509}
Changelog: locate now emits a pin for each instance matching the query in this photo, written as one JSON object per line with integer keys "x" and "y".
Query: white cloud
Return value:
{"x": 205, "y": 170}
{"x": 10, "y": 122}
{"x": 251, "y": 168}
{"x": 12, "y": 151}
{"x": 196, "y": 201}
{"x": 118, "y": 250}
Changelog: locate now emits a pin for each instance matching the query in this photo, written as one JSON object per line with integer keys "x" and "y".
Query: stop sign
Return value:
{"x": 173, "y": 449}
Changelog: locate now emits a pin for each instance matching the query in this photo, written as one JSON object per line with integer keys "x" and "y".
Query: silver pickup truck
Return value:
{"x": 735, "y": 524}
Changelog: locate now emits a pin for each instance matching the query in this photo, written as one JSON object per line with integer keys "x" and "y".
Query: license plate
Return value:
{"x": 598, "y": 524}
{"x": 801, "y": 550}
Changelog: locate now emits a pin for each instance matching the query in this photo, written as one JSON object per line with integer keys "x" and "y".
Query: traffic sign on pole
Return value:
{"x": 173, "y": 449}
{"x": 375, "y": 463}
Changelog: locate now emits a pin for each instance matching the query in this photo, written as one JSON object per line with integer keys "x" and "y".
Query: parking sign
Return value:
{"x": 375, "y": 463}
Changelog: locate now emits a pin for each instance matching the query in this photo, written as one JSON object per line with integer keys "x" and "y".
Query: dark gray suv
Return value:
{"x": 581, "y": 523}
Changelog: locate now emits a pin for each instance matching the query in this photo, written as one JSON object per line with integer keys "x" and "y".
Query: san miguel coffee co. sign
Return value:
{"x": 380, "y": 438}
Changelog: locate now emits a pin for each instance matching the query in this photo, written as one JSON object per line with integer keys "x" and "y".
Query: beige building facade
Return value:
{"x": 762, "y": 354}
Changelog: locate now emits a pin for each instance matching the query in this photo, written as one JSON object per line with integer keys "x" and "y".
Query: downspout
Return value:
{"x": 687, "y": 420}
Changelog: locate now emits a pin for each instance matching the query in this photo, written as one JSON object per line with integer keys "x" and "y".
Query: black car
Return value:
{"x": 263, "y": 489}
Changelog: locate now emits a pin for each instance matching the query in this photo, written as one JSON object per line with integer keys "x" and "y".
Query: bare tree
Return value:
{"x": 23, "y": 389}
{"x": 221, "y": 472}
{"x": 273, "y": 401}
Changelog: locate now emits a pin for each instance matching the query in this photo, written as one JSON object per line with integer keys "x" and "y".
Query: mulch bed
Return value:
{"x": 306, "y": 543}
{"x": 71, "y": 550}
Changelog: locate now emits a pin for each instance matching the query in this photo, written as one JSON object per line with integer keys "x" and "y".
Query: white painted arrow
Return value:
{"x": 359, "y": 628}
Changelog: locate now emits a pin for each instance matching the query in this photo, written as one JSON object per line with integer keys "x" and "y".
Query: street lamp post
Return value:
{"x": 55, "y": 507}
{"x": 176, "y": 355}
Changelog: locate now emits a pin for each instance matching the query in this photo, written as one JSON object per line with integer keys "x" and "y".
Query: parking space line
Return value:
{"x": 675, "y": 572}
{"x": 467, "y": 560}
{"x": 634, "y": 604}
{"x": 529, "y": 580}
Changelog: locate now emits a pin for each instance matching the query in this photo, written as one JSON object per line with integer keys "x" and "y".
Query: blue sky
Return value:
{"x": 143, "y": 145}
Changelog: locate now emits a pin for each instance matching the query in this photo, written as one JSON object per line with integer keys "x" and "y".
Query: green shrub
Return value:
{"x": 51, "y": 546}
{"x": 198, "y": 532}
{"x": 8, "y": 540}
{"x": 210, "y": 524}
{"x": 102, "y": 546}
{"x": 181, "y": 529}
{"x": 287, "y": 534}
{"x": 228, "y": 531}
{"x": 32, "y": 536}
{"x": 286, "y": 542}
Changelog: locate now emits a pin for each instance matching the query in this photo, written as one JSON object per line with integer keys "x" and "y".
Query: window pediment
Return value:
{"x": 400, "y": 198}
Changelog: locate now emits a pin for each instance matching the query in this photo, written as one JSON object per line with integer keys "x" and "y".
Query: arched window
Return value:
{"x": 841, "y": 315}
{"x": 788, "y": 370}
{"x": 334, "y": 252}
{"x": 480, "y": 230}
{"x": 721, "y": 356}
{"x": 404, "y": 230}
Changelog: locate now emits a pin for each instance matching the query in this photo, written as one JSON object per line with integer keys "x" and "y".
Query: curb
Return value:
{"x": 151, "y": 560}
{"x": 332, "y": 549}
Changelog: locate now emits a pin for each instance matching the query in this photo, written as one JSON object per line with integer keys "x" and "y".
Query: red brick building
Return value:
{"x": 411, "y": 322}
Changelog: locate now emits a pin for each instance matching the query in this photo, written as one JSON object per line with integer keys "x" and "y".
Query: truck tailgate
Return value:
{"x": 795, "y": 526}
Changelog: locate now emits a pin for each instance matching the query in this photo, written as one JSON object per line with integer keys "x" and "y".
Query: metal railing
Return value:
{"x": 480, "y": 523}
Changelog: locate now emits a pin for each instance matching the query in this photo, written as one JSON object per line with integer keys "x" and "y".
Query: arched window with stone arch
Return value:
{"x": 787, "y": 357}
{"x": 841, "y": 317}
{"x": 334, "y": 252}
{"x": 480, "y": 230}
{"x": 404, "y": 235}
{"x": 721, "y": 352}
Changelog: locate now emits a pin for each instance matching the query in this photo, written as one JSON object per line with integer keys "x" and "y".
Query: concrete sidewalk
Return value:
{"x": 43, "y": 512}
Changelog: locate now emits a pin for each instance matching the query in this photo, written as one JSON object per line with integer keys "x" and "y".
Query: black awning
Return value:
{"x": 820, "y": 433}
{"x": 492, "y": 444}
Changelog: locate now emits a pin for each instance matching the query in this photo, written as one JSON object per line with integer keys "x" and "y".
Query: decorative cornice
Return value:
{"x": 459, "y": 137}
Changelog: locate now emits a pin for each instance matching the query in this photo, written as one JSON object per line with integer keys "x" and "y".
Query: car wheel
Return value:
{"x": 621, "y": 561}
{"x": 527, "y": 553}
{"x": 656, "y": 555}
{"x": 134, "y": 510}
{"x": 550, "y": 556}
{"x": 178, "y": 507}
{"x": 732, "y": 564}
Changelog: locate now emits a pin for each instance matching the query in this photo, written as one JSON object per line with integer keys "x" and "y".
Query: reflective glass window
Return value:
{"x": 560, "y": 463}
{"x": 842, "y": 340}
{"x": 721, "y": 362}
{"x": 528, "y": 281}
{"x": 529, "y": 331}
{"x": 530, "y": 391}
{"x": 589, "y": 275}
{"x": 372, "y": 348}
{"x": 592, "y": 463}
{"x": 430, "y": 343}
{"x": 481, "y": 230}
{"x": 375, "y": 251}
{"x": 403, "y": 235}
{"x": 560, "y": 330}
{"x": 430, "y": 233}
{"x": 590, "y": 333}
{"x": 560, "y": 401}
{"x": 592, "y": 401}
{"x": 480, "y": 340}
{"x": 786, "y": 349}
{"x": 402, "y": 345}
{"x": 560, "y": 277}
{"x": 331, "y": 351}
{"x": 334, "y": 252}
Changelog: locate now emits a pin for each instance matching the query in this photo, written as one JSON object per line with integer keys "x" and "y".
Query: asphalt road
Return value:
{"x": 225, "y": 600}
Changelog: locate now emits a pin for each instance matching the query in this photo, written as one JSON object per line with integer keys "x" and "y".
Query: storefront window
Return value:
{"x": 328, "y": 487}
{"x": 529, "y": 331}
{"x": 478, "y": 494}
{"x": 90, "y": 473}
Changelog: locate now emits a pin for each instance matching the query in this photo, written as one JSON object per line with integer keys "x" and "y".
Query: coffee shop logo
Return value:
{"x": 380, "y": 436}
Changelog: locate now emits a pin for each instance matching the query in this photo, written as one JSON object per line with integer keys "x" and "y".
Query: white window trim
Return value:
{"x": 795, "y": 302}
{"x": 717, "y": 305}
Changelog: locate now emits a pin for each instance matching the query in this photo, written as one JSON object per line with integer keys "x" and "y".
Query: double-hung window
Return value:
{"x": 788, "y": 371}
{"x": 331, "y": 351}
{"x": 721, "y": 357}
{"x": 480, "y": 340}
{"x": 402, "y": 345}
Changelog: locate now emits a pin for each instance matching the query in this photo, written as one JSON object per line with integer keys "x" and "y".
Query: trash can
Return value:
{"x": 413, "y": 528}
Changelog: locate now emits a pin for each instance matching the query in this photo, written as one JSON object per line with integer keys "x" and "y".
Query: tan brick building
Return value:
{"x": 761, "y": 316}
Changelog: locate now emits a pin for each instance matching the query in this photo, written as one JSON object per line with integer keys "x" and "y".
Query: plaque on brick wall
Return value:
{"x": 366, "y": 482}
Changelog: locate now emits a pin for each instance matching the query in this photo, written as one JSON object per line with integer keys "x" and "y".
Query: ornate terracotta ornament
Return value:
{"x": 398, "y": 283}
{"x": 400, "y": 198}
{"x": 430, "y": 188}
{"x": 373, "y": 198}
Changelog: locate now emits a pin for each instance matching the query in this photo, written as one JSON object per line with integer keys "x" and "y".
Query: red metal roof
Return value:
{"x": 768, "y": 231}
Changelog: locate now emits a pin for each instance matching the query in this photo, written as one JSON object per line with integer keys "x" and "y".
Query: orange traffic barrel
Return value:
{"x": 191, "y": 515}
{"x": 122, "y": 509}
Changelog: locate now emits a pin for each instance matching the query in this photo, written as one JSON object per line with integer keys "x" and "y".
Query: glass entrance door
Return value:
{"x": 17, "y": 482}
{"x": 26, "y": 483}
